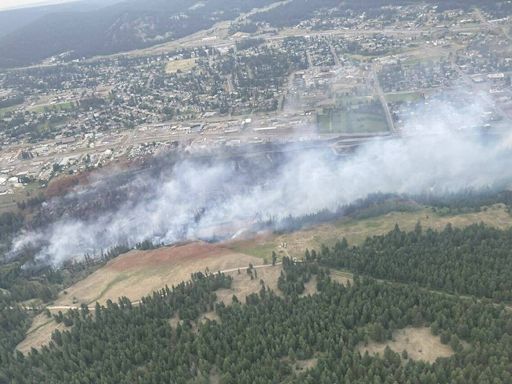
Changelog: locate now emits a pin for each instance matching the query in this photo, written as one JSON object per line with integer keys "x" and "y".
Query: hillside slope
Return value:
{"x": 120, "y": 27}
{"x": 15, "y": 19}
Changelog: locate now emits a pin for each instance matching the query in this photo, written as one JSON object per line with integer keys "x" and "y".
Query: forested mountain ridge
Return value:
{"x": 14, "y": 19}
{"x": 120, "y": 27}
{"x": 295, "y": 11}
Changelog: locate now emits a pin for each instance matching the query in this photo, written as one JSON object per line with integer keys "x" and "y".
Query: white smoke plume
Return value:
{"x": 441, "y": 151}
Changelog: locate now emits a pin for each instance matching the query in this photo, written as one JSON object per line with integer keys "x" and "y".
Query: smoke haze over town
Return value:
{"x": 441, "y": 151}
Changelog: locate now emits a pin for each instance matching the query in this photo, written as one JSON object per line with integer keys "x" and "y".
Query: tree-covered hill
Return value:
{"x": 264, "y": 338}
{"x": 258, "y": 341}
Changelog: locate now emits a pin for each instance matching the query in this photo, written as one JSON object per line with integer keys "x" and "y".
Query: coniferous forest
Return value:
{"x": 475, "y": 261}
{"x": 258, "y": 340}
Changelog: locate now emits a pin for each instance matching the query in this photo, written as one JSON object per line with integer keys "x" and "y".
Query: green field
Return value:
{"x": 353, "y": 121}
{"x": 66, "y": 106}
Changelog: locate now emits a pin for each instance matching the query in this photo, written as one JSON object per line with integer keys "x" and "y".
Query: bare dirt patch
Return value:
{"x": 299, "y": 366}
{"x": 174, "y": 321}
{"x": 214, "y": 377}
{"x": 419, "y": 343}
{"x": 139, "y": 273}
{"x": 310, "y": 287}
{"x": 209, "y": 316}
{"x": 303, "y": 365}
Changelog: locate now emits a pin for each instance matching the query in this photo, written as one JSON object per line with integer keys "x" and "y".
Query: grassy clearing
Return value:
{"x": 39, "y": 333}
{"x": 344, "y": 278}
{"x": 118, "y": 279}
{"x": 66, "y": 106}
{"x": 243, "y": 285}
{"x": 356, "y": 231}
{"x": 422, "y": 55}
{"x": 356, "y": 122}
{"x": 183, "y": 65}
{"x": 261, "y": 249}
{"x": 419, "y": 343}
{"x": 139, "y": 273}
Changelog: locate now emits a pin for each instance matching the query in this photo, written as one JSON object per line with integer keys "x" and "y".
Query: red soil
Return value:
{"x": 166, "y": 256}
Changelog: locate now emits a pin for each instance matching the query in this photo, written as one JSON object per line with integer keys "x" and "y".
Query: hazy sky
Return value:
{"x": 12, "y": 4}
